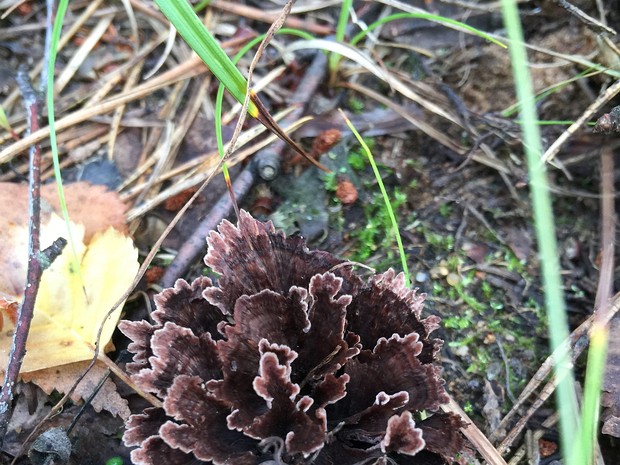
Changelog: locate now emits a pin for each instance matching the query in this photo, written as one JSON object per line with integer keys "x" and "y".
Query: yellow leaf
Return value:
{"x": 70, "y": 309}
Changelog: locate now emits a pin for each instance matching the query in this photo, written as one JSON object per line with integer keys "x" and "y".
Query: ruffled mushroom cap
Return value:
{"x": 288, "y": 358}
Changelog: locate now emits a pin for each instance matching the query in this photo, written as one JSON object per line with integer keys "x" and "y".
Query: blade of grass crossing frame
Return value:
{"x": 220, "y": 97}
{"x": 572, "y": 449}
{"x": 4, "y": 121}
{"x": 220, "y": 90}
{"x": 219, "y": 138}
{"x": 198, "y": 37}
{"x": 386, "y": 197}
{"x": 591, "y": 407}
{"x": 439, "y": 19}
{"x": 56, "y": 31}
{"x": 343, "y": 19}
{"x": 265, "y": 118}
{"x": 189, "y": 26}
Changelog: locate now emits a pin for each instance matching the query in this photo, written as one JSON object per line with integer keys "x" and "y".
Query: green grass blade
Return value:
{"x": 438, "y": 19}
{"x": 220, "y": 90}
{"x": 590, "y": 409}
{"x": 343, "y": 19}
{"x": 545, "y": 233}
{"x": 184, "y": 19}
{"x": 204, "y": 44}
{"x": 514, "y": 108}
{"x": 386, "y": 198}
{"x": 4, "y": 121}
{"x": 201, "y": 5}
{"x": 56, "y": 31}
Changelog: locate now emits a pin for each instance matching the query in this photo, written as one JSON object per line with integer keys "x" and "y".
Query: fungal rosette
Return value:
{"x": 290, "y": 357}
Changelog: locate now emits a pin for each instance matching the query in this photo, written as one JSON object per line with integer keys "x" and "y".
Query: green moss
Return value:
{"x": 114, "y": 461}
{"x": 357, "y": 160}
{"x": 487, "y": 290}
{"x": 468, "y": 407}
{"x": 330, "y": 182}
{"x": 356, "y": 105}
{"x": 376, "y": 234}
{"x": 457, "y": 322}
{"x": 513, "y": 263}
{"x": 475, "y": 312}
{"x": 445, "y": 210}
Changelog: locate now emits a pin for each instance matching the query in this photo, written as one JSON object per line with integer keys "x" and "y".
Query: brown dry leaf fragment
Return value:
{"x": 30, "y": 409}
{"x": 475, "y": 251}
{"x": 520, "y": 241}
{"x": 547, "y": 448}
{"x": 64, "y": 378}
{"x": 8, "y": 310}
{"x": 346, "y": 191}
{"x": 93, "y": 206}
{"x": 175, "y": 203}
{"x": 24, "y": 9}
{"x": 66, "y": 321}
{"x": 154, "y": 274}
{"x": 325, "y": 141}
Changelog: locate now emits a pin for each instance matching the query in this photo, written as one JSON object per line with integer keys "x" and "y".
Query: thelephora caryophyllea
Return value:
{"x": 290, "y": 358}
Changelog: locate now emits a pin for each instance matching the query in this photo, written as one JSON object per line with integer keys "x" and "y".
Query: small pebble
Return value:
{"x": 453, "y": 279}
{"x": 462, "y": 351}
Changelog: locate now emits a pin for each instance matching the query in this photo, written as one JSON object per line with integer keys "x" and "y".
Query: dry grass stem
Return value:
{"x": 269, "y": 17}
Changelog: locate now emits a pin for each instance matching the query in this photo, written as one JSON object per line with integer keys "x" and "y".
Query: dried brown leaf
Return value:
{"x": 93, "y": 206}
{"x": 63, "y": 378}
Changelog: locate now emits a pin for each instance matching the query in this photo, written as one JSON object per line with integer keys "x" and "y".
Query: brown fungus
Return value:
{"x": 288, "y": 359}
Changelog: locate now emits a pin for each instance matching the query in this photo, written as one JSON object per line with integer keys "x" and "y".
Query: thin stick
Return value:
{"x": 577, "y": 341}
{"x": 475, "y": 436}
{"x": 595, "y": 106}
{"x": 196, "y": 243}
{"x": 147, "y": 261}
{"x": 264, "y": 116}
{"x": 35, "y": 266}
{"x": 586, "y": 19}
{"x": 269, "y": 16}
{"x": 190, "y": 68}
{"x": 605, "y": 287}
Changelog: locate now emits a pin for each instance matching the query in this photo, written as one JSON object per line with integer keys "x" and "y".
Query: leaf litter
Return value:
{"x": 70, "y": 306}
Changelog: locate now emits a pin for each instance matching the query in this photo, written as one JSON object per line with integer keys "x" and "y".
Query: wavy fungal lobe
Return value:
{"x": 288, "y": 358}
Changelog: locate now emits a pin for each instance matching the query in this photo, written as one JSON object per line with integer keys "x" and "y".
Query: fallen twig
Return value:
{"x": 270, "y": 17}
{"x": 475, "y": 436}
{"x": 37, "y": 260}
{"x": 595, "y": 106}
{"x": 578, "y": 341}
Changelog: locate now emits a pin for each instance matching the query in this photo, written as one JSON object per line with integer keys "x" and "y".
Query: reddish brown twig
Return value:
{"x": 35, "y": 260}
